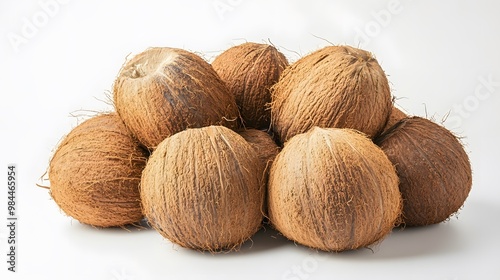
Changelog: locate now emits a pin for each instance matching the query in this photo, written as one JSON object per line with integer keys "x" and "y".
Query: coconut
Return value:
{"x": 250, "y": 70}
{"x": 433, "y": 168}
{"x": 337, "y": 86}
{"x": 395, "y": 116}
{"x": 333, "y": 189}
{"x": 263, "y": 144}
{"x": 203, "y": 189}
{"x": 163, "y": 91}
{"x": 95, "y": 173}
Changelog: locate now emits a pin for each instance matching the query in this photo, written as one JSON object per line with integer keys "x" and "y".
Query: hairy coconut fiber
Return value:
{"x": 202, "y": 189}
{"x": 163, "y": 91}
{"x": 395, "y": 116}
{"x": 337, "y": 86}
{"x": 433, "y": 168}
{"x": 333, "y": 189}
{"x": 95, "y": 173}
{"x": 250, "y": 70}
{"x": 263, "y": 144}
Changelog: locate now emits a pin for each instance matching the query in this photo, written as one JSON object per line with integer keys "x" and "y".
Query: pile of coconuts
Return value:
{"x": 208, "y": 154}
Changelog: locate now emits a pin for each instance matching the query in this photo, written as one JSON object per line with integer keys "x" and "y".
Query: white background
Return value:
{"x": 58, "y": 64}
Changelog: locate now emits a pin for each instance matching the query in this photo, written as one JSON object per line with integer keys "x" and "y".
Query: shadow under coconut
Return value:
{"x": 409, "y": 242}
{"x": 265, "y": 239}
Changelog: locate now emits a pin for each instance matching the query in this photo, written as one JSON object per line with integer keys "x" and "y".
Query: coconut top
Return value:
{"x": 162, "y": 91}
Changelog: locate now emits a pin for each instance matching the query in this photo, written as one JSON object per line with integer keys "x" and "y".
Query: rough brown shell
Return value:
{"x": 434, "y": 170}
{"x": 163, "y": 91}
{"x": 250, "y": 70}
{"x": 95, "y": 173}
{"x": 337, "y": 86}
{"x": 202, "y": 188}
{"x": 334, "y": 190}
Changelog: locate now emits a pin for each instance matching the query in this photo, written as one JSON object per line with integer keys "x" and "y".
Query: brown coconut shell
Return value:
{"x": 203, "y": 189}
{"x": 263, "y": 144}
{"x": 434, "y": 170}
{"x": 333, "y": 190}
{"x": 162, "y": 91}
{"x": 95, "y": 173}
{"x": 337, "y": 86}
{"x": 250, "y": 70}
{"x": 266, "y": 150}
{"x": 395, "y": 116}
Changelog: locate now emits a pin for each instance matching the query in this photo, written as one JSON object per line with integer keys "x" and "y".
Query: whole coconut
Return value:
{"x": 337, "y": 86}
{"x": 163, "y": 91}
{"x": 203, "y": 189}
{"x": 434, "y": 170}
{"x": 95, "y": 173}
{"x": 250, "y": 70}
{"x": 334, "y": 190}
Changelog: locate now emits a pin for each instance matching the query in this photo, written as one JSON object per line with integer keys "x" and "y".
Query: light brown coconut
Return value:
{"x": 162, "y": 91}
{"x": 263, "y": 144}
{"x": 434, "y": 170}
{"x": 337, "y": 86}
{"x": 250, "y": 70}
{"x": 95, "y": 173}
{"x": 202, "y": 189}
{"x": 395, "y": 116}
{"x": 334, "y": 190}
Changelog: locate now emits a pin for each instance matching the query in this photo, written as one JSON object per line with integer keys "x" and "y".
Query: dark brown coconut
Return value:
{"x": 203, "y": 189}
{"x": 163, "y": 91}
{"x": 334, "y": 190}
{"x": 95, "y": 173}
{"x": 395, "y": 116}
{"x": 250, "y": 70}
{"x": 337, "y": 86}
{"x": 433, "y": 168}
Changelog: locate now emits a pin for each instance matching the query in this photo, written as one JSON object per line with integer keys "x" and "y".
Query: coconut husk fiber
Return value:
{"x": 395, "y": 116}
{"x": 263, "y": 144}
{"x": 265, "y": 148}
{"x": 162, "y": 91}
{"x": 333, "y": 190}
{"x": 433, "y": 168}
{"x": 250, "y": 70}
{"x": 202, "y": 189}
{"x": 336, "y": 86}
{"x": 95, "y": 173}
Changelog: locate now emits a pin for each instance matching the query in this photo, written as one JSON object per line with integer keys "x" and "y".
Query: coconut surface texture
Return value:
{"x": 395, "y": 116}
{"x": 250, "y": 70}
{"x": 434, "y": 170}
{"x": 203, "y": 189}
{"x": 162, "y": 91}
{"x": 95, "y": 173}
{"x": 263, "y": 144}
{"x": 337, "y": 86}
{"x": 334, "y": 190}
